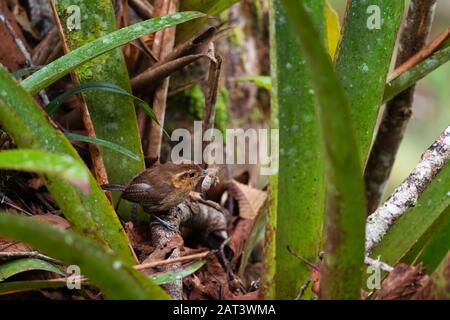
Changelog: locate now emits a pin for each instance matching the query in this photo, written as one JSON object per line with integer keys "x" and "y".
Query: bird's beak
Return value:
{"x": 204, "y": 172}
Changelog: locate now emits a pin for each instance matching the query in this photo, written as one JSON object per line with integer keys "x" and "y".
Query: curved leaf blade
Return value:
{"x": 53, "y": 106}
{"x": 44, "y": 162}
{"x": 101, "y": 142}
{"x": 11, "y": 268}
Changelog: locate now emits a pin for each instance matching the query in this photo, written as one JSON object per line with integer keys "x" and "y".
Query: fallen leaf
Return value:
{"x": 401, "y": 283}
{"x": 250, "y": 200}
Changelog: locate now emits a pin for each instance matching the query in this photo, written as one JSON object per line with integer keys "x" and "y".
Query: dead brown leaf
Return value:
{"x": 250, "y": 199}
{"x": 401, "y": 283}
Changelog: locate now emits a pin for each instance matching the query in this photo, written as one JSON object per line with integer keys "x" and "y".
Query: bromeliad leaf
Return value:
{"x": 38, "y": 161}
{"x": 53, "y": 106}
{"x": 104, "y": 143}
{"x": 23, "y": 72}
{"x": 11, "y": 268}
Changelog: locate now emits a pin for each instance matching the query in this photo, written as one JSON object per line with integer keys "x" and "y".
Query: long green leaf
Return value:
{"x": 44, "y": 162}
{"x": 104, "y": 143}
{"x": 414, "y": 223}
{"x": 417, "y": 72}
{"x": 11, "y": 268}
{"x": 62, "y": 66}
{"x": 53, "y": 106}
{"x": 341, "y": 274}
{"x": 114, "y": 276}
{"x": 363, "y": 61}
{"x": 301, "y": 176}
{"x": 24, "y": 71}
{"x": 22, "y": 286}
{"x": 89, "y": 214}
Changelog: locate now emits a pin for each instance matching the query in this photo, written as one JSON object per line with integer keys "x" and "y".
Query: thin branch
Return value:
{"x": 28, "y": 254}
{"x": 213, "y": 86}
{"x": 159, "y": 263}
{"x": 142, "y": 7}
{"x": 378, "y": 264}
{"x": 406, "y": 195}
{"x": 398, "y": 111}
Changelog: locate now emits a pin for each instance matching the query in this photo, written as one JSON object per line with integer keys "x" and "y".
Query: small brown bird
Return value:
{"x": 162, "y": 186}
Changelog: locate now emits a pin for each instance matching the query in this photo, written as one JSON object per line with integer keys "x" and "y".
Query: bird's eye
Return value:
{"x": 191, "y": 174}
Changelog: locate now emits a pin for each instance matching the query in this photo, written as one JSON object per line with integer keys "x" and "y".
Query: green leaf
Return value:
{"x": 13, "y": 267}
{"x": 60, "y": 165}
{"x": 89, "y": 214}
{"x": 104, "y": 143}
{"x": 53, "y": 106}
{"x": 341, "y": 275}
{"x": 171, "y": 276}
{"x": 22, "y": 286}
{"x": 363, "y": 60}
{"x": 295, "y": 218}
{"x": 264, "y": 82}
{"x": 114, "y": 276}
{"x": 415, "y": 222}
{"x": 23, "y": 72}
{"x": 417, "y": 72}
{"x": 62, "y": 66}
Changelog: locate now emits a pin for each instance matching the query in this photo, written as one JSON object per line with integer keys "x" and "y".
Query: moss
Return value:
{"x": 222, "y": 115}
{"x": 196, "y": 101}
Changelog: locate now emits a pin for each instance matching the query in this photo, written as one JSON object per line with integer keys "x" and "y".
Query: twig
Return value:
{"x": 211, "y": 95}
{"x": 398, "y": 111}
{"x": 406, "y": 195}
{"x": 162, "y": 45}
{"x": 142, "y": 7}
{"x": 195, "y": 47}
{"x": 29, "y": 254}
{"x": 158, "y": 263}
{"x": 303, "y": 289}
{"x": 186, "y": 86}
{"x": 378, "y": 264}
